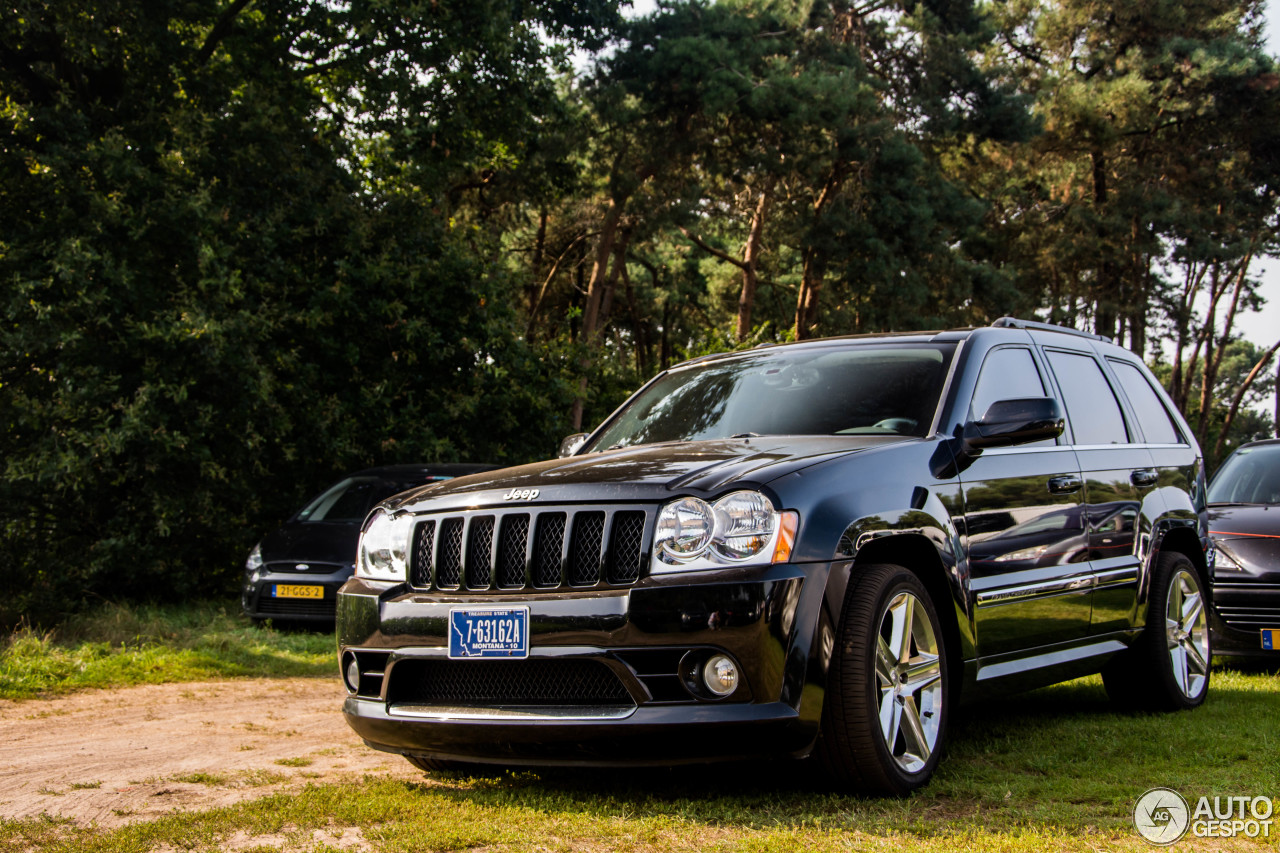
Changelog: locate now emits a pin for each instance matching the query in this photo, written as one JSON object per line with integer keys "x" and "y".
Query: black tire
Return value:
{"x": 1168, "y": 666}
{"x": 911, "y": 685}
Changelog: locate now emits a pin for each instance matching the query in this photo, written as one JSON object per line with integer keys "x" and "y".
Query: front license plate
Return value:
{"x": 489, "y": 632}
{"x": 285, "y": 590}
{"x": 1269, "y": 637}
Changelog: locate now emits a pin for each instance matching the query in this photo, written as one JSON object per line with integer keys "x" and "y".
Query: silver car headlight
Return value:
{"x": 693, "y": 534}
{"x": 383, "y": 552}
{"x": 254, "y": 562}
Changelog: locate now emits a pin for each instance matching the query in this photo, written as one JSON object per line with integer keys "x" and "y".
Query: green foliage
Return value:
{"x": 1151, "y": 159}
{"x": 225, "y": 282}
{"x": 247, "y": 248}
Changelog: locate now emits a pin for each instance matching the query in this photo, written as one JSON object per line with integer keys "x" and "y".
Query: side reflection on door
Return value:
{"x": 1024, "y": 518}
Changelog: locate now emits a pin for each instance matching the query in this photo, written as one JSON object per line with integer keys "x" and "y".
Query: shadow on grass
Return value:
{"x": 1059, "y": 758}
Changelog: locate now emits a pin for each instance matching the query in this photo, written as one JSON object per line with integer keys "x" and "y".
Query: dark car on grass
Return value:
{"x": 294, "y": 573}
{"x": 771, "y": 553}
{"x": 1244, "y": 521}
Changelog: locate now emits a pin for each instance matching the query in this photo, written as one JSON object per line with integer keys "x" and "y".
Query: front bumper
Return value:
{"x": 259, "y": 600}
{"x": 611, "y": 673}
{"x": 1241, "y": 610}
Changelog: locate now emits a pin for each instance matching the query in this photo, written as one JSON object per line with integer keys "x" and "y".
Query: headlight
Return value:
{"x": 693, "y": 534}
{"x": 384, "y": 546}
{"x": 685, "y": 528}
{"x": 746, "y": 522}
{"x": 254, "y": 562}
{"x": 1226, "y": 560}
{"x": 1033, "y": 553}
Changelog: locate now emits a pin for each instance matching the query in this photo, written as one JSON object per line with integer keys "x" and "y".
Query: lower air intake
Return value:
{"x": 484, "y": 684}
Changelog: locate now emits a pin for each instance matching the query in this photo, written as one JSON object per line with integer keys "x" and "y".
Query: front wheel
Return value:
{"x": 1167, "y": 669}
{"x": 885, "y": 714}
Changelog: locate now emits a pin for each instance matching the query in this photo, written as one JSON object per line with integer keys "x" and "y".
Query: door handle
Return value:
{"x": 1064, "y": 485}
{"x": 1144, "y": 477}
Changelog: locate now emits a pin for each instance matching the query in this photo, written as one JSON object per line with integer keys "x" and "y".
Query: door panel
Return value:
{"x": 1113, "y": 499}
{"x": 1028, "y": 548}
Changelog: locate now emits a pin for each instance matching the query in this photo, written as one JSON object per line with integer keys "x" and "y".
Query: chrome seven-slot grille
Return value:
{"x": 539, "y": 548}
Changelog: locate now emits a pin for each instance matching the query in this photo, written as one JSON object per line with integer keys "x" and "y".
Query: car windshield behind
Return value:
{"x": 350, "y": 500}
{"x": 882, "y": 389}
{"x": 1250, "y": 476}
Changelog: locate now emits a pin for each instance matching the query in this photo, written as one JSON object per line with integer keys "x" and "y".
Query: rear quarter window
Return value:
{"x": 1157, "y": 426}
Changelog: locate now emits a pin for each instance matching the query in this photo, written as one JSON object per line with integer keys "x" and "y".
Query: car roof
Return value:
{"x": 1262, "y": 442}
{"x": 942, "y": 336}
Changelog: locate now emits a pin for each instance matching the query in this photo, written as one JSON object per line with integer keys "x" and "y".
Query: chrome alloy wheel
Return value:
{"x": 1187, "y": 630}
{"x": 909, "y": 680}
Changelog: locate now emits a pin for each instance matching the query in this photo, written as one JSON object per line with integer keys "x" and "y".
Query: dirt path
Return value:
{"x": 135, "y": 753}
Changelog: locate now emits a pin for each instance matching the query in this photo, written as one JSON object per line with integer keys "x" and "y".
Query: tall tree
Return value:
{"x": 234, "y": 263}
{"x": 1156, "y": 141}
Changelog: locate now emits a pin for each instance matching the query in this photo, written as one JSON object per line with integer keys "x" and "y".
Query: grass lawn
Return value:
{"x": 120, "y": 645}
{"x": 1052, "y": 770}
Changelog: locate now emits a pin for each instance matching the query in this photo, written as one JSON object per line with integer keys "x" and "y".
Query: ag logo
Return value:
{"x": 1161, "y": 816}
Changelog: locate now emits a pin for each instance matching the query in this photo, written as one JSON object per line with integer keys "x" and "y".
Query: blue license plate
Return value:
{"x": 489, "y": 632}
{"x": 1269, "y": 637}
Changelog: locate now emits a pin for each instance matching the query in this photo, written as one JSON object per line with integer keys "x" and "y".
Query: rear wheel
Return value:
{"x": 1167, "y": 669}
{"x": 885, "y": 715}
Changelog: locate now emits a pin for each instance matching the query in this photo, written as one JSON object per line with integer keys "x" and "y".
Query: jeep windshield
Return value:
{"x": 873, "y": 389}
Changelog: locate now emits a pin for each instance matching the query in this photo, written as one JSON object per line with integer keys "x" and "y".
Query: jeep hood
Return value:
{"x": 645, "y": 472}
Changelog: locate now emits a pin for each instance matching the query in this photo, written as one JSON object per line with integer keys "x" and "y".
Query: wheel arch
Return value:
{"x": 920, "y": 555}
{"x": 1182, "y": 539}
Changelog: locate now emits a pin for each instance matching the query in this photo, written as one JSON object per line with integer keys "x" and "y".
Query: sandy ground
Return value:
{"x": 115, "y": 756}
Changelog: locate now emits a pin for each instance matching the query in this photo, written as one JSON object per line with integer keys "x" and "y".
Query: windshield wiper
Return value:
{"x": 745, "y": 435}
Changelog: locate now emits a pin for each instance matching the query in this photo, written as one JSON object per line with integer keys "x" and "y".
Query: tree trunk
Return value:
{"x": 1216, "y": 350}
{"x": 532, "y": 292}
{"x": 1104, "y": 313}
{"x": 639, "y": 326}
{"x": 750, "y": 258}
{"x": 810, "y": 289}
{"x": 596, "y": 286}
{"x": 600, "y": 269}
{"x": 536, "y": 305}
{"x": 611, "y": 281}
{"x": 1206, "y": 379}
{"x": 1239, "y": 396}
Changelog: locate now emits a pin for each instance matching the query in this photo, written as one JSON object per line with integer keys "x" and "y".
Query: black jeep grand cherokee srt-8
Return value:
{"x": 804, "y": 549}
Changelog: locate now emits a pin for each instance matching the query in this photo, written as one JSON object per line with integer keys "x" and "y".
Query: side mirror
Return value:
{"x": 1010, "y": 422}
{"x": 572, "y": 444}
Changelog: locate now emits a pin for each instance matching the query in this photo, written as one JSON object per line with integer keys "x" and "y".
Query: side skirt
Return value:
{"x": 1045, "y": 665}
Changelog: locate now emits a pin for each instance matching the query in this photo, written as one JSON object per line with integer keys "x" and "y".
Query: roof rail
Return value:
{"x": 1015, "y": 323}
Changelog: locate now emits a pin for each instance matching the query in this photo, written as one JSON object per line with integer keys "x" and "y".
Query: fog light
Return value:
{"x": 353, "y": 674}
{"x": 720, "y": 675}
